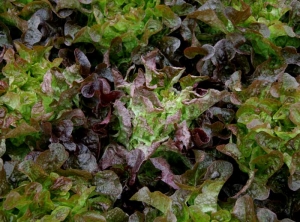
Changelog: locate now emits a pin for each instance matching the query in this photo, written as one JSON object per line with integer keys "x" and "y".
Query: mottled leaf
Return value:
{"x": 107, "y": 182}
{"x": 244, "y": 209}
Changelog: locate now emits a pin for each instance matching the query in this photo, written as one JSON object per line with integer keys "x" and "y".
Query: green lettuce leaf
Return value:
{"x": 155, "y": 199}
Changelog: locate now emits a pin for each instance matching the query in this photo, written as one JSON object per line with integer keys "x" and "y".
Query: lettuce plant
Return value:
{"x": 104, "y": 140}
{"x": 35, "y": 90}
{"x": 267, "y": 132}
{"x": 133, "y": 22}
{"x": 51, "y": 194}
{"x": 153, "y": 110}
{"x": 196, "y": 197}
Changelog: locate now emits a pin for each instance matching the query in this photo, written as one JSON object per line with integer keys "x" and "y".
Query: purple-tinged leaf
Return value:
{"x": 75, "y": 115}
{"x": 168, "y": 46}
{"x": 295, "y": 113}
{"x": 52, "y": 159}
{"x": 61, "y": 185}
{"x": 209, "y": 17}
{"x": 68, "y": 57}
{"x": 182, "y": 136}
{"x": 83, "y": 61}
{"x": 244, "y": 209}
{"x": 33, "y": 189}
{"x": 234, "y": 82}
{"x": 32, "y": 34}
{"x": 202, "y": 103}
{"x": 167, "y": 175}
{"x": 89, "y": 216}
{"x": 291, "y": 56}
{"x": 20, "y": 130}
{"x": 152, "y": 27}
{"x": 107, "y": 183}
{"x": 230, "y": 149}
{"x": 188, "y": 31}
{"x": 4, "y": 186}
{"x": 38, "y": 113}
{"x": 261, "y": 28}
{"x": 264, "y": 215}
{"x": 223, "y": 114}
{"x": 169, "y": 18}
{"x": 238, "y": 40}
{"x": 125, "y": 128}
{"x": 90, "y": 140}
{"x": 14, "y": 199}
{"x": 206, "y": 50}
{"x": 106, "y": 95}
{"x": 63, "y": 132}
{"x": 218, "y": 130}
{"x": 46, "y": 85}
{"x": 114, "y": 154}
{"x": 103, "y": 71}
{"x": 264, "y": 72}
{"x": 88, "y": 162}
{"x": 219, "y": 171}
{"x": 224, "y": 52}
{"x": 32, "y": 170}
{"x": 190, "y": 80}
{"x": 100, "y": 127}
{"x": 236, "y": 16}
{"x": 3, "y": 87}
{"x": 88, "y": 90}
{"x": 200, "y": 137}
{"x": 118, "y": 78}
{"x": 134, "y": 160}
{"x": 149, "y": 62}
{"x": 5, "y": 40}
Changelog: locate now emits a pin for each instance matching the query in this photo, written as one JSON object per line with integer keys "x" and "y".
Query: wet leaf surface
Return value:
{"x": 149, "y": 110}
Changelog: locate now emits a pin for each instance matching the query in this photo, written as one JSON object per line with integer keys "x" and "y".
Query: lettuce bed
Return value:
{"x": 149, "y": 110}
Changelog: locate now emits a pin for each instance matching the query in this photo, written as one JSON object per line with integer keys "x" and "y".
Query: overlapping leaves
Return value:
{"x": 267, "y": 130}
{"x": 52, "y": 194}
{"x": 64, "y": 89}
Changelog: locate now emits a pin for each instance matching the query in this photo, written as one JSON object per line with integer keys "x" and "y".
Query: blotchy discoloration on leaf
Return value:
{"x": 52, "y": 159}
{"x": 244, "y": 209}
{"x": 107, "y": 182}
